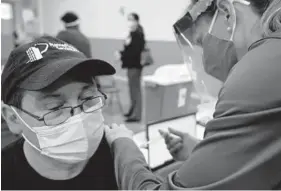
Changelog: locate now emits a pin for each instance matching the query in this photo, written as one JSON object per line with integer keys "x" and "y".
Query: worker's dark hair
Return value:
{"x": 260, "y": 6}
{"x": 135, "y": 16}
{"x": 15, "y": 34}
{"x": 270, "y": 12}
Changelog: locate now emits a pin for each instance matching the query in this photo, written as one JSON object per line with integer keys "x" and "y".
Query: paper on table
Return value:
{"x": 159, "y": 154}
{"x": 182, "y": 97}
{"x": 200, "y": 130}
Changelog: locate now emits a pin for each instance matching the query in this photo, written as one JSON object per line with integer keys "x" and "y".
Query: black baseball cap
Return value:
{"x": 38, "y": 64}
{"x": 69, "y": 17}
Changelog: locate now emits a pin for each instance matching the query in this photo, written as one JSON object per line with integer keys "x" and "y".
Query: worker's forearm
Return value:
{"x": 131, "y": 169}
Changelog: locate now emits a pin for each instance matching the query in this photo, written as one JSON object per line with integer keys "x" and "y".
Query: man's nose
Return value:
{"x": 76, "y": 110}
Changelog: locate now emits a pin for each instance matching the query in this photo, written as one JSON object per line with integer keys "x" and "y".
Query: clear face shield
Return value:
{"x": 209, "y": 68}
{"x": 206, "y": 86}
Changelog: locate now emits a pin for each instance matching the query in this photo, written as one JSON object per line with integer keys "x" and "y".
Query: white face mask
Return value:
{"x": 69, "y": 142}
{"x": 132, "y": 25}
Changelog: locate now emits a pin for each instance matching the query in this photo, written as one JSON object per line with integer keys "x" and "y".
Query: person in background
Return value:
{"x": 16, "y": 38}
{"x": 26, "y": 35}
{"x": 131, "y": 60}
{"x": 49, "y": 98}
{"x": 241, "y": 149}
{"x": 6, "y": 136}
{"x": 20, "y": 37}
{"x": 72, "y": 35}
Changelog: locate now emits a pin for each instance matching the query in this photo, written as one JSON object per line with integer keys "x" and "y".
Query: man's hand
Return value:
{"x": 179, "y": 146}
{"x": 115, "y": 132}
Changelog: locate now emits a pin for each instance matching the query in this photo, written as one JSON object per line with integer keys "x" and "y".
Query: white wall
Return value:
{"x": 101, "y": 18}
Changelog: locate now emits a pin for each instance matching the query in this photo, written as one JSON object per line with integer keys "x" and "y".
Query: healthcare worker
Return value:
{"x": 242, "y": 144}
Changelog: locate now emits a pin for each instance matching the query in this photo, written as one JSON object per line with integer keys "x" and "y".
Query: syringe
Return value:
{"x": 144, "y": 145}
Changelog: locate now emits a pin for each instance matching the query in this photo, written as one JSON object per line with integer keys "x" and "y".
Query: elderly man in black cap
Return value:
{"x": 49, "y": 97}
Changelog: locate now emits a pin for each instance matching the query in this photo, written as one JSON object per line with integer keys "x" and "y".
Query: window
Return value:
{"x": 6, "y": 11}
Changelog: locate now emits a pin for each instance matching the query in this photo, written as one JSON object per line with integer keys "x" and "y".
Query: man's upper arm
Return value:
{"x": 131, "y": 170}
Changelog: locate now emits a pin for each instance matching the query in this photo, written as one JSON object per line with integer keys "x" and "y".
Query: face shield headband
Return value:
{"x": 202, "y": 6}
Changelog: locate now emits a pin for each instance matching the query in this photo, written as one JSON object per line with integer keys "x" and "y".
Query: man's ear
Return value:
{"x": 11, "y": 119}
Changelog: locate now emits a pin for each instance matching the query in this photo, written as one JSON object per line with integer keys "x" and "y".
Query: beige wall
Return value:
{"x": 7, "y": 27}
{"x": 164, "y": 52}
{"x": 101, "y": 18}
{"x": 16, "y": 23}
{"x": 102, "y": 22}
{"x": 105, "y": 27}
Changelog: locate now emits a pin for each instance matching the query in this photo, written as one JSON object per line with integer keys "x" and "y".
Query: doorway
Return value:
{"x": 8, "y": 28}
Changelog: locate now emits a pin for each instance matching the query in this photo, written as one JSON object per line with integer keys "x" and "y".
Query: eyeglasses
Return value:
{"x": 60, "y": 115}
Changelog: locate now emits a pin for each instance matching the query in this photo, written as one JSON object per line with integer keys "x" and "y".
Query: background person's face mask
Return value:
{"x": 132, "y": 25}
{"x": 69, "y": 142}
{"x": 219, "y": 55}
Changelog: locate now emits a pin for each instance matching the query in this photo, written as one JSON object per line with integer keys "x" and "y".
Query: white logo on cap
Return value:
{"x": 63, "y": 47}
{"x": 34, "y": 53}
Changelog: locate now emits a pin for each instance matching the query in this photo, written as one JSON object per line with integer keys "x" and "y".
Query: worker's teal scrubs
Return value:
{"x": 242, "y": 145}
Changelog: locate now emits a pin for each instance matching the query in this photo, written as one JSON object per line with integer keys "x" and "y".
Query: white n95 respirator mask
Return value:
{"x": 69, "y": 142}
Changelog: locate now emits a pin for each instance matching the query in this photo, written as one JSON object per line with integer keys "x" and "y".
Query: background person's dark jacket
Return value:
{"x": 77, "y": 39}
{"x": 131, "y": 54}
{"x": 74, "y": 37}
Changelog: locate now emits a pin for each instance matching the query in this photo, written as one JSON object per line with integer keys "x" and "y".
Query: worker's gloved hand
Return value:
{"x": 115, "y": 132}
{"x": 178, "y": 143}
